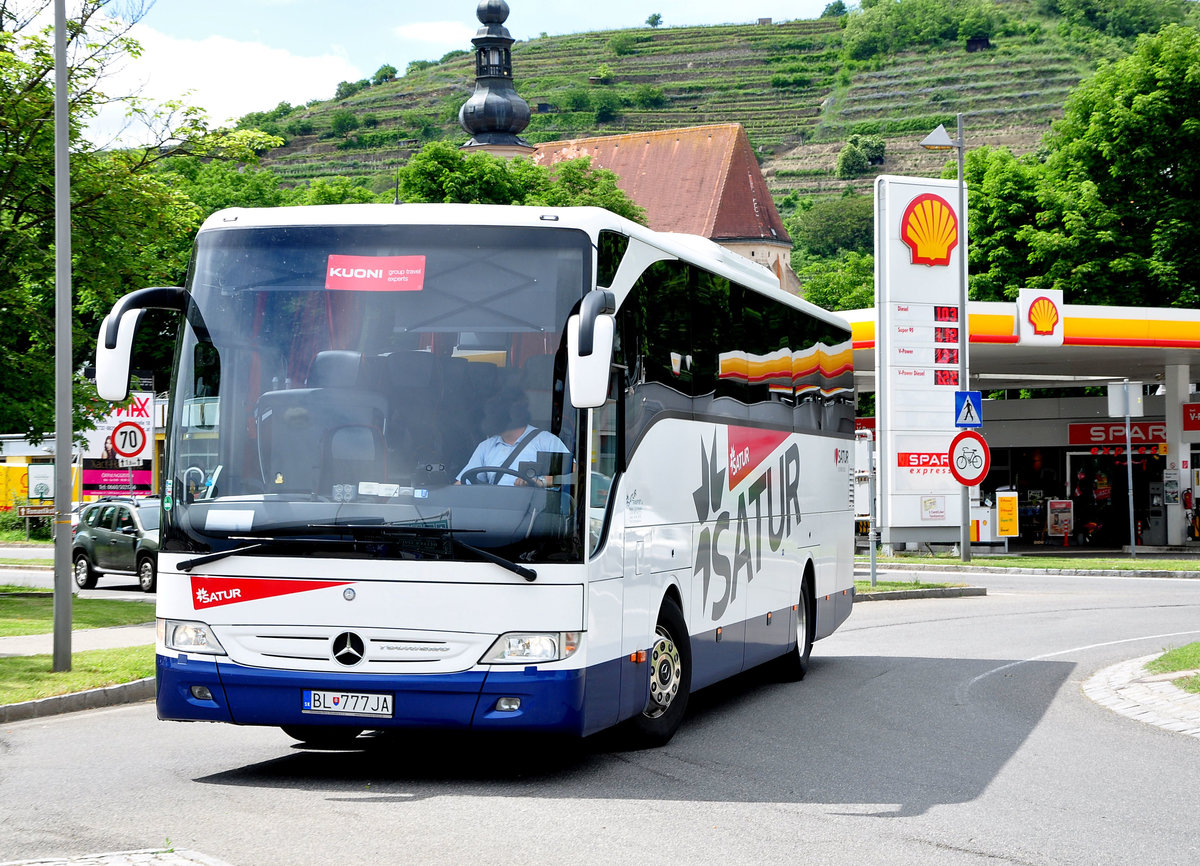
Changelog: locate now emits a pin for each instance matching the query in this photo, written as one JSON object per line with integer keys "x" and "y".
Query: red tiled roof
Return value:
{"x": 702, "y": 180}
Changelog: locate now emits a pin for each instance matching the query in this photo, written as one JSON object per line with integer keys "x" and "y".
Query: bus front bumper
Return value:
{"x": 222, "y": 691}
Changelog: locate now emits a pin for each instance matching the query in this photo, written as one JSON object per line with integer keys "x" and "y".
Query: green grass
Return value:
{"x": 1184, "y": 658}
{"x": 17, "y": 536}
{"x": 35, "y": 615}
{"x": 27, "y": 563}
{"x": 1115, "y": 563}
{"x": 27, "y": 678}
{"x": 864, "y": 586}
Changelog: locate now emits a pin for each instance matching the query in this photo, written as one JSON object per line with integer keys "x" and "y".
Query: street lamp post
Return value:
{"x": 939, "y": 139}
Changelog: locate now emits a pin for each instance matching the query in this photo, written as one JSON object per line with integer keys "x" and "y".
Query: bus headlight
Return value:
{"x": 525, "y": 647}
{"x": 189, "y": 637}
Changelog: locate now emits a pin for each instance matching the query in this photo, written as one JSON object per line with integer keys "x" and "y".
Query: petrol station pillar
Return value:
{"x": 1179, "y": 452}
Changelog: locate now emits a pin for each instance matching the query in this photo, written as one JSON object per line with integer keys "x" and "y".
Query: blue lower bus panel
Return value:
{"x": 519, "y": 699}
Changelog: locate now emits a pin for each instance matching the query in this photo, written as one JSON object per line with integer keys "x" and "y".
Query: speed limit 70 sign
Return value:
{"x": 129, "y": 439}
{"x": 970, "y": 458}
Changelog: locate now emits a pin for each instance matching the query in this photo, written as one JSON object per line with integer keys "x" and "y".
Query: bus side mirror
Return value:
{"x": 112, "y": 364}
{"x": 115, "y": 342}
{"x": 589, "y": 349}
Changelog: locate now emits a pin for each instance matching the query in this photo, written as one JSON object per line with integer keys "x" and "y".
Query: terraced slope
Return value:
{"x": 784, "y": 82}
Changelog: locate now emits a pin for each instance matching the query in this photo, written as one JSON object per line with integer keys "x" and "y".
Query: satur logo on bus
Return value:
{"x": 770, "y": 500}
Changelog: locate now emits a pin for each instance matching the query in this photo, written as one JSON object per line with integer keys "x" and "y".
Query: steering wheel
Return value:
{"x": 473, "y": 476}
{"x": 198, "y": 490}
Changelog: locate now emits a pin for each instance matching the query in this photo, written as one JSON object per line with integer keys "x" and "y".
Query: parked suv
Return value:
{"x": 116, "y": 536}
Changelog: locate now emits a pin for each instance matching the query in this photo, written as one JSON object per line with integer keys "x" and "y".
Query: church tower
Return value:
{"x": 494, "y": 115}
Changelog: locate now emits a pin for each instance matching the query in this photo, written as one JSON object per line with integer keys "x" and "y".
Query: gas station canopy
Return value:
{"x": 1098, "y": 345}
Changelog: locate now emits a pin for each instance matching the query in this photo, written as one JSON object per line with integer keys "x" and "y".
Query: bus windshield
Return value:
{"x": 352, "y": 380}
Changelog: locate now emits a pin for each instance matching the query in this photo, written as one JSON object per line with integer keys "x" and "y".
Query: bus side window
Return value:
{"x": 607, "y": 451}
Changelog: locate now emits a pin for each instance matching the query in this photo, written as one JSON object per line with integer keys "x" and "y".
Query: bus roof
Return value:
{"x": 591, "y": 220}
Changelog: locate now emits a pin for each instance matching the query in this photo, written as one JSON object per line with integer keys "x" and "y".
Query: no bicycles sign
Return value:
{"x": 970, "y": 458}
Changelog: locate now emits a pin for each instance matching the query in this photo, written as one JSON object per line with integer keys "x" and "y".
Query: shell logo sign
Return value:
{"x": 1040, "y": 317}
{"x": 929, "y": 228}
{"x": 1043, "y": 316}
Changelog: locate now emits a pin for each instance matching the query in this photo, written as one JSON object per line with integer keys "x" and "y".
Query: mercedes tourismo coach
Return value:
{"x": 661, "y": 498}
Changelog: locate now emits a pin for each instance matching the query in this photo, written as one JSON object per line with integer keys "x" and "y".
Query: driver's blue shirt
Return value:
{"x": 494, "y": 451}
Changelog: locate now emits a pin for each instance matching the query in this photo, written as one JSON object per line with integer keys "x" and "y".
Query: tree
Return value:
{"x": 1003, "y": 205}
{"x": 332, "y": 190}
{"x": 215, "y": 184}
{"x": 836, "y": 9}
{"x": 834, "y": 225}
{"x": 441, "y": 172}
{"x": 843, "y": 283}
{"x": 346, "y": 89}
{"x": 384, "y": 73}
{"x": 655, "y": 20}
{"x": 1118, "y": 222}
{"x": 1122, "y": 18}
{"x": 851, "y": 162}
{"x": 130, "y": 228}
{"x": 576, "y": 183}
{"x": 343, "y": 121}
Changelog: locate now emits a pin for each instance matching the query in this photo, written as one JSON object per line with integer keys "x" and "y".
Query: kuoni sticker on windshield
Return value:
{"x": 375, "y": 273}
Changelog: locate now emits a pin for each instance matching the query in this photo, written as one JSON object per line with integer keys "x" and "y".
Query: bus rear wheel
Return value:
{"x": 670, "y": 659}
{"x": 322, "y": 736}
{"x": 793, "y": 665}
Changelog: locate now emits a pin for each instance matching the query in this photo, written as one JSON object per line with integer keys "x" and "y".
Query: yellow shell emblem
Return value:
{"x": 930, "y": 229}
{"x": 1043, "y": 315}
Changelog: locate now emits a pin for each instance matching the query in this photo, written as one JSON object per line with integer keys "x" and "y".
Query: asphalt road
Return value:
{"x": 118, "y": 586}
{"x": 947, "y": 731}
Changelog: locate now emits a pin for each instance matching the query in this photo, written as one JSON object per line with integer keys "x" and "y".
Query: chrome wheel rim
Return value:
{"x": 666, "y": 674}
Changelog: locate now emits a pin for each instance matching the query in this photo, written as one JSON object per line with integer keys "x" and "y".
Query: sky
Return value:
{"x": 231, "y": 57}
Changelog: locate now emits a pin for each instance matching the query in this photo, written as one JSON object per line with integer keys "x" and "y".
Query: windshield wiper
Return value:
{"x": 189, "y": 564}
{"x": 525, "y": 572}
{"x": 380, "y": 528}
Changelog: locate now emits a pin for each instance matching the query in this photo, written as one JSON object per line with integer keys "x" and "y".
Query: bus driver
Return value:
{"x": 512, "y": 443}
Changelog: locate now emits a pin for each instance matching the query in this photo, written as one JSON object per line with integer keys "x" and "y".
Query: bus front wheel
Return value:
{"x": 670, "y": 659}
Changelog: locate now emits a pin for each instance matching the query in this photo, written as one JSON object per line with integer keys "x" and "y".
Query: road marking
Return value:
{"x": 964, "y": 691}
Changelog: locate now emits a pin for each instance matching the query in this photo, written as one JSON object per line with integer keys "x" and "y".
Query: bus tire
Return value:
{"x": 322, "y": 736}
{"x": 670, "y": 659}
{"x": 793, "y": 665}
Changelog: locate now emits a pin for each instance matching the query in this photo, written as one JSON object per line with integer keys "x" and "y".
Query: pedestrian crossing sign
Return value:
{"x": 968, "y": 408}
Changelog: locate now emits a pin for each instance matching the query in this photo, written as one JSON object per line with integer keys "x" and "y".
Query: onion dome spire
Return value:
{"x": 495, "y": 114}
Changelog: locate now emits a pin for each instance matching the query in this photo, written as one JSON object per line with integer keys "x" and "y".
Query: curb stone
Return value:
{"x": 1021, "y": 569}
{"x": 142, "y": 857}
{"x": 109, "y": 696}
{"x": 1130, "y": 690}
{"x": 944, "y": 592}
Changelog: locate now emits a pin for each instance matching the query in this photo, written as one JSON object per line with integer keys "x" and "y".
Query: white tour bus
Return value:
{"x": 498, "y": 468}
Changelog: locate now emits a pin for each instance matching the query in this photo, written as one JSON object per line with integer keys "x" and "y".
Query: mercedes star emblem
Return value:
{"x": 348, "y": 648}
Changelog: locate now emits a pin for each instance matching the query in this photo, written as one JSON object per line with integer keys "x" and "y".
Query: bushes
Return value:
{"x": 851, "y": 162}
{"x": 648, "y": 96}
{"x": 12, "y": 522}
{"x": 622, "y": 44}
{"x": 860, "y": 153}
{"x": 889, "y": 26}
